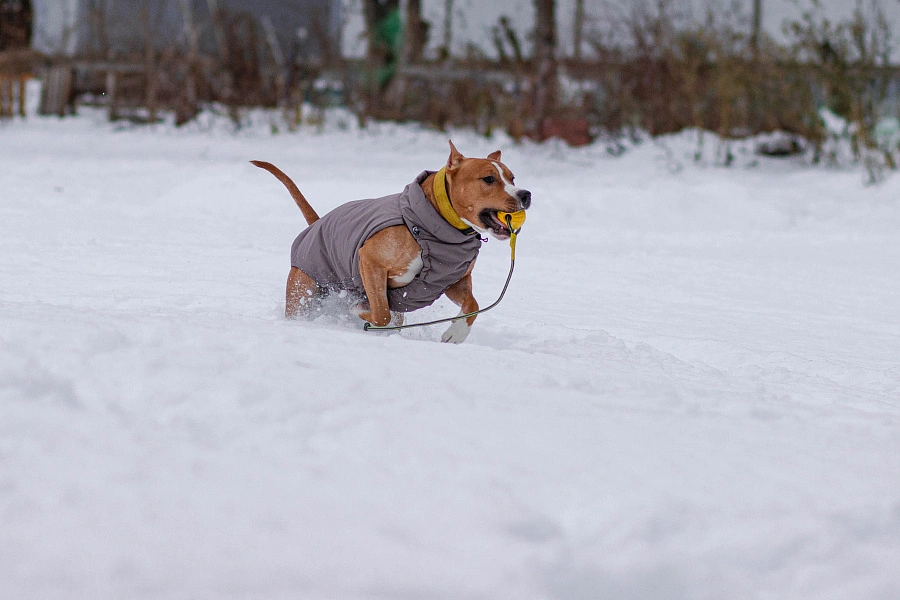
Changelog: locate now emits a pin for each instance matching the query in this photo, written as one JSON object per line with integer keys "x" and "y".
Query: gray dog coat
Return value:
{"x": 328, "y": 250}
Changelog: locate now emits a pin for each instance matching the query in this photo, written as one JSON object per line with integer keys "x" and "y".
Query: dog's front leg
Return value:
{"x": 460, "y": 293}
{"x": 374, "y": 276}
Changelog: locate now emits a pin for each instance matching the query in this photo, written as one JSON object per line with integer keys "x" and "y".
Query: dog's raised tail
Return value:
{"x": 308, "y": 212}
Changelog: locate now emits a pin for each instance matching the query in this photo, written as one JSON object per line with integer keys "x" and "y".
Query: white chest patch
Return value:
{"x": 414, "y": 268}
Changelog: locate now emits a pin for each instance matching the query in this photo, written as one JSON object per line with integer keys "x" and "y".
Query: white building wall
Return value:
{"x": 55, "y": 26}
{"x": 62, "y": 26}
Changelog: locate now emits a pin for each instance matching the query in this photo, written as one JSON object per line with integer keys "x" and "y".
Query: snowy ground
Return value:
{"x": 691, "y": 391}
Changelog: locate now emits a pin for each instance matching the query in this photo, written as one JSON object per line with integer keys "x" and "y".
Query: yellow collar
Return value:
{"x": 443, "y": 203}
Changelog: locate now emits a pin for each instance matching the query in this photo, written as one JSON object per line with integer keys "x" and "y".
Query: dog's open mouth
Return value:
{"x": 491, "y": 221}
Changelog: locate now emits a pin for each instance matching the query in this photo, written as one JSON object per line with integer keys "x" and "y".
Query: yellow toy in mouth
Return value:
{"x": 517, "y": 219}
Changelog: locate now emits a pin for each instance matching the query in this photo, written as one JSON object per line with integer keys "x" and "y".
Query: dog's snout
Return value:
{"x": 524, "y": 198}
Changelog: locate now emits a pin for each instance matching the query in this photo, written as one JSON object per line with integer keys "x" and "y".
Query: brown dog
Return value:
{"x": 404, "y": 251}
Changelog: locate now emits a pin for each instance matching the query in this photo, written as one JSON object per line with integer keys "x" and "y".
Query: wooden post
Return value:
{"x": 757, "y": 27}
{"x": 192, "y": 32}
{"x": 111, "y": 82}
{"x": 546, "y": 81}
{"x": 151, "y": 80}
{"x": 152, "y": 83}
{"x": 277, "y": 56}
{"x": 5, "y": 84}
{"x": 579, "y": 29}
{"x": 448, "y": 27}
{"x": 57, "y": 90}
{"x": 23, "y": 84}
{"x": 215, "y": 15}
{"x": 415, "y": 33}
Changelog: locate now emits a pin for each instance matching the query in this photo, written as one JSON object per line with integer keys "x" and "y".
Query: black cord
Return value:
{"x": 512, "y": 266}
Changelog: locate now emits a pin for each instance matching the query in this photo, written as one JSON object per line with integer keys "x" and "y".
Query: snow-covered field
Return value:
{"x": 691, "y": 391}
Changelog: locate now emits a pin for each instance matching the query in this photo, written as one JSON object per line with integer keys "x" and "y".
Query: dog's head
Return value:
{"x": 480, "y": 188}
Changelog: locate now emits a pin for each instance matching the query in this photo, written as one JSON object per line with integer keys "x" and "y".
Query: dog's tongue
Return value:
{"x": 518, "y": 218}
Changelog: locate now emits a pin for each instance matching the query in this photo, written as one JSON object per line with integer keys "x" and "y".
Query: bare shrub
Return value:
{"x": 850, "y": 64}
{"x": 642, "y": 66}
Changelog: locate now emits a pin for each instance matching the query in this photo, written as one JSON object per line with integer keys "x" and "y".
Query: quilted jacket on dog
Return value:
{"x": 328, "y": 250}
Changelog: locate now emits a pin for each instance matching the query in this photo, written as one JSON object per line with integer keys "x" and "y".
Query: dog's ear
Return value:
{"x": 494, "y": 155}
{"x": 455, "y": 158}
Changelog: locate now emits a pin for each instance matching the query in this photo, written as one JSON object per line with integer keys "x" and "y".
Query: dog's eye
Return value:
{"x": 489, "y": 179}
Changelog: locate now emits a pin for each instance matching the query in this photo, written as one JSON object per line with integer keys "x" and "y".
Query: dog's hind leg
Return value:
{"x": 301, "y": 290}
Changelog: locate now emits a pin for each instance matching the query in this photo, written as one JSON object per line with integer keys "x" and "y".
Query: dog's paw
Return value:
{"x": 457, "y": 332}
{"x": 359, "y": 309}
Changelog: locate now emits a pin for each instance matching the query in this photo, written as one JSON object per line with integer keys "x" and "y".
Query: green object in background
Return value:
{"x": 389, "y": 37}
{"x": 887, "y": 133}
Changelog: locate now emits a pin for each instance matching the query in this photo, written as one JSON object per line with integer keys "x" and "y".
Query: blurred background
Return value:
{"x": 572, "y": 69}
{"x": 691, "y": 391}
